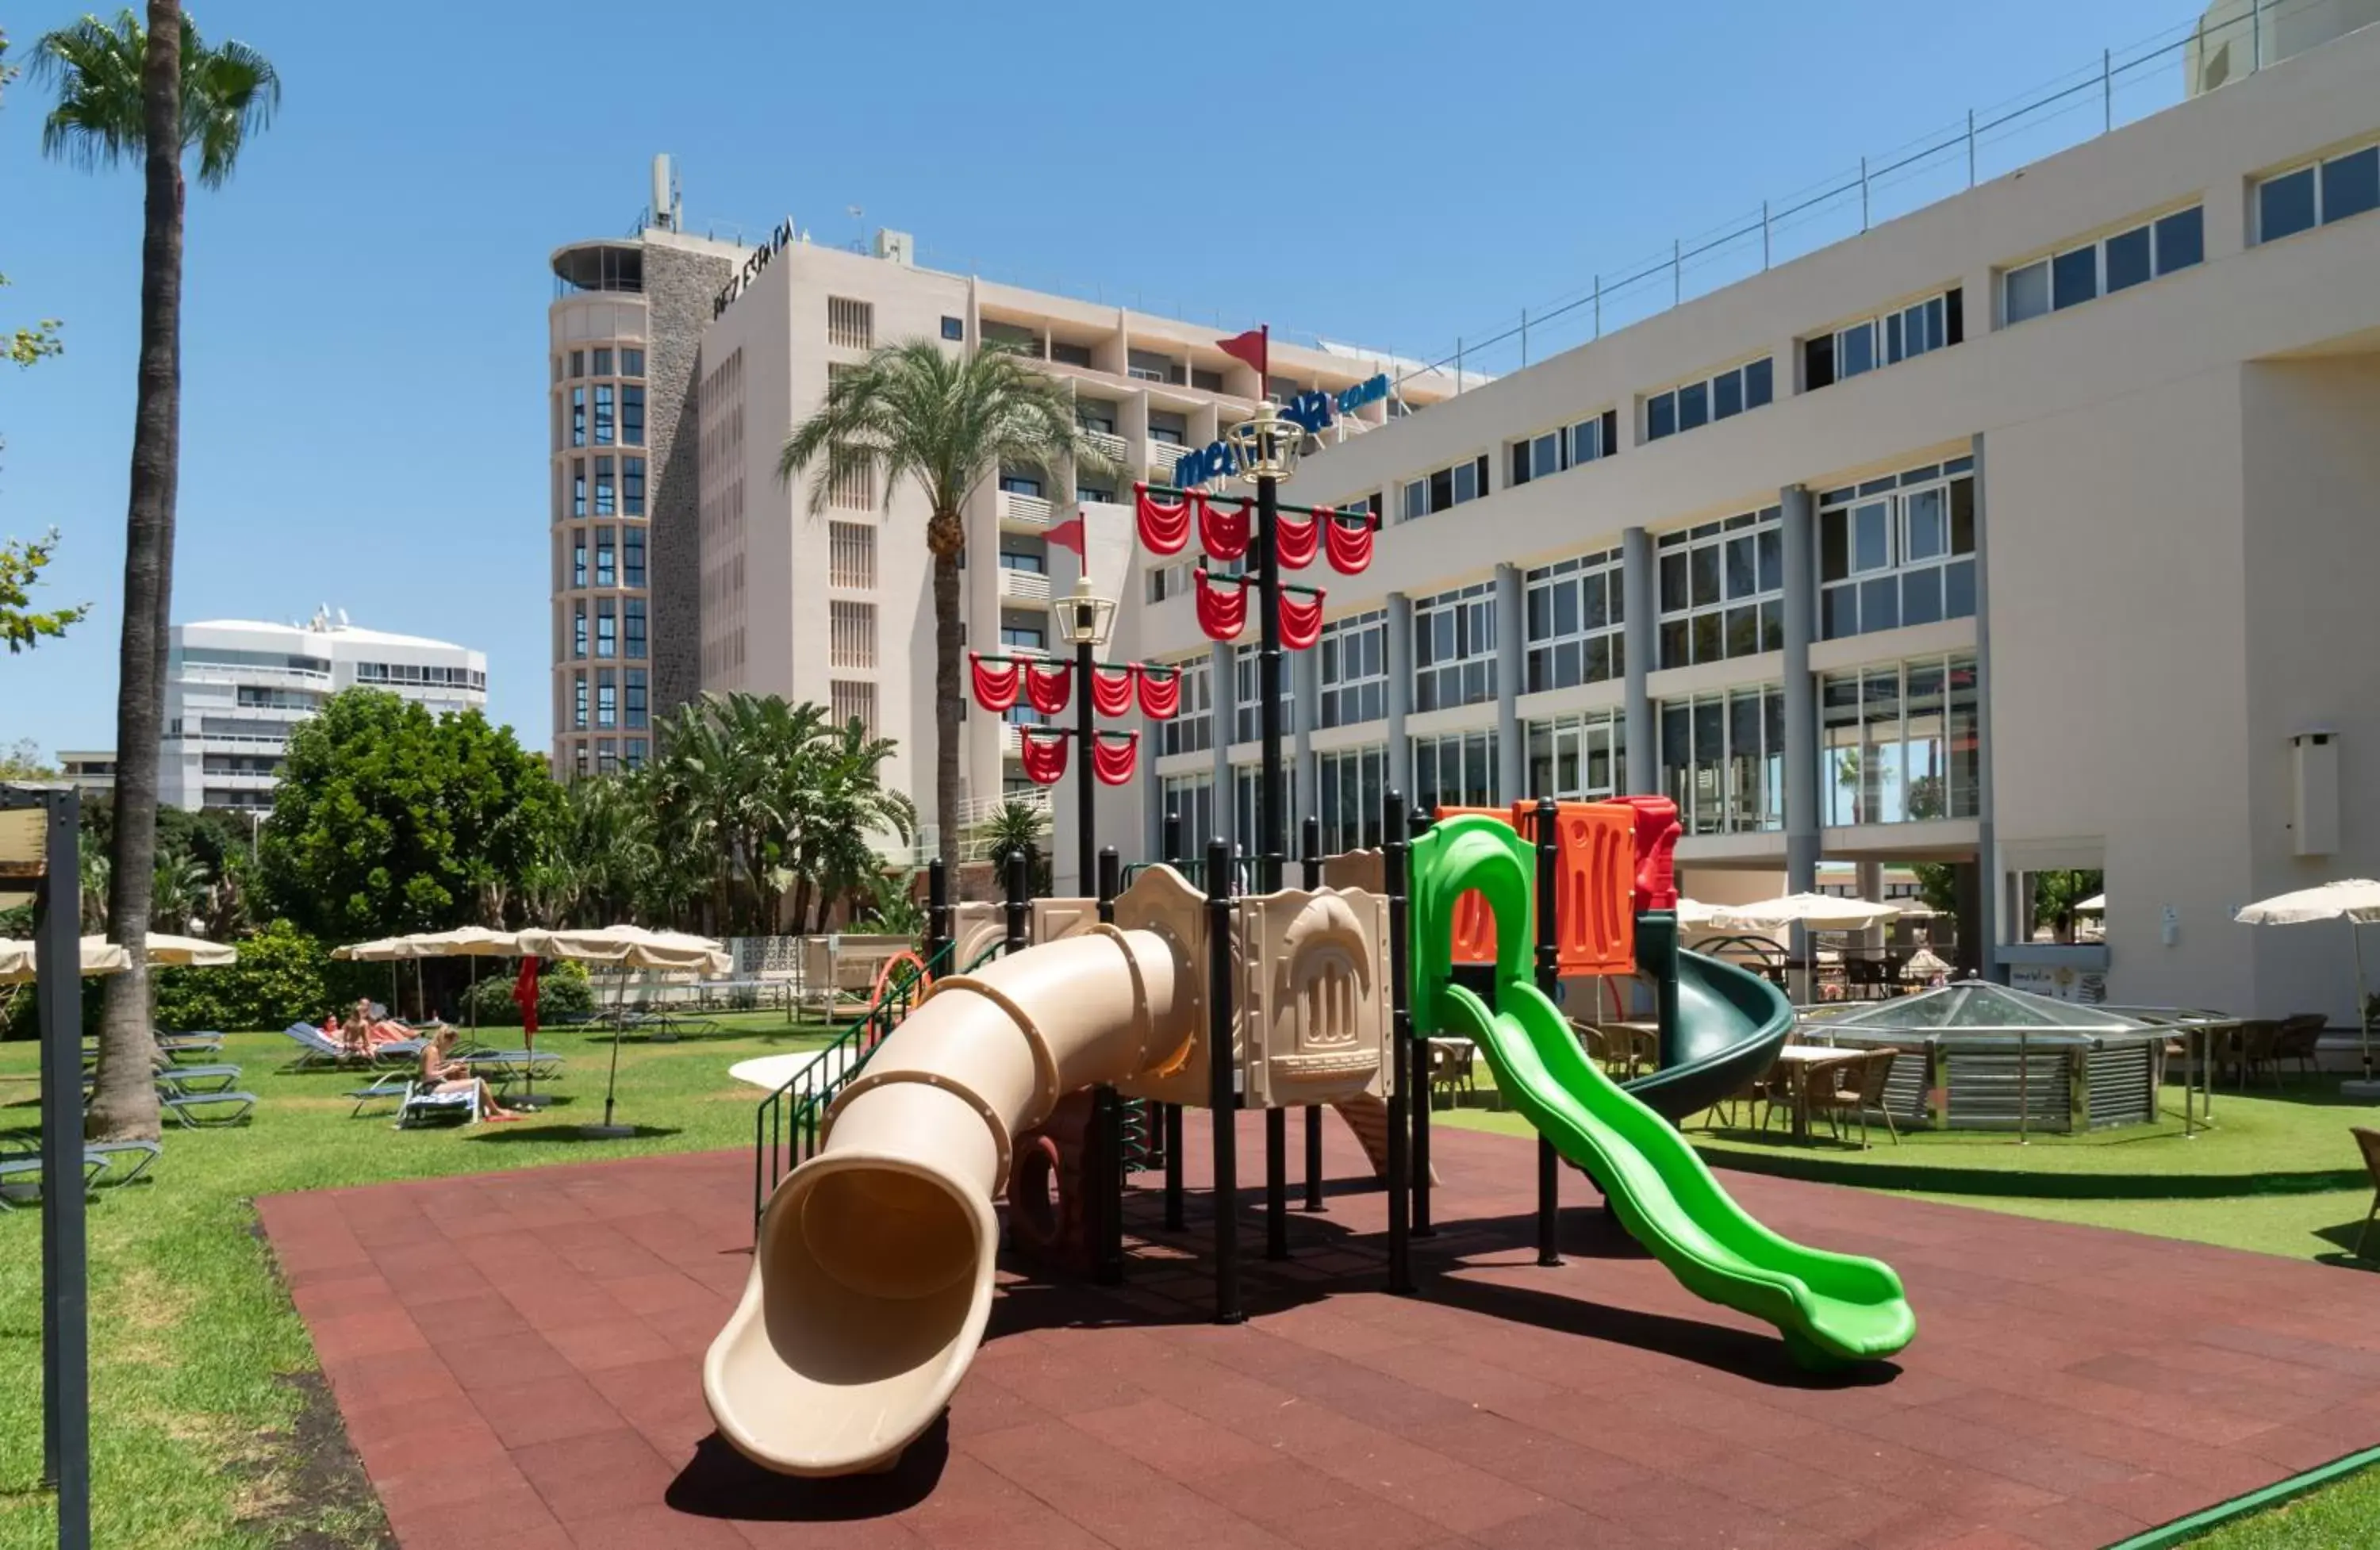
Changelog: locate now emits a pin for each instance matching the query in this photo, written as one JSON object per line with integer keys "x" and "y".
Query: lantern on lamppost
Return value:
{"x": 1084, "y": 618}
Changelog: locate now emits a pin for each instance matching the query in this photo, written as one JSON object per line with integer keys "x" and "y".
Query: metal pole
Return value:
{"x": 1086, "y": 847}
{"x": 1014, "y": 901}
{"x": 65, "y": 1291}
{"x": 1175, "y": 845}
{"x": 2023, "y": 1086}
{"x": 2362, "y": 999}
{"x": 1548, "y": 981}
{"x": 1417, "y": 824}
{"x": 1272, "y": 822}
{"x": 937, "y": 911}
{"x": 1395, "y": 858}
{"x": 1106, "y": 1110}
{"x": 1310, "y": 846}
{"x": 1222, "y": 1098}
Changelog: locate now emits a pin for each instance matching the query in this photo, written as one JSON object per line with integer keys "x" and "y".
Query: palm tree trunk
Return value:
{"x": 124, "y": 1106}
{"x": 949, "y": 702}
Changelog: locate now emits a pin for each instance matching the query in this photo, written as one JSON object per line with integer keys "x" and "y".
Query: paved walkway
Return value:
{"x": 517, "y": 1360}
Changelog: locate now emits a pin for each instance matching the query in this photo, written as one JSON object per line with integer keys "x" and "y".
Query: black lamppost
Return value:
{"x": 1084, "y": 618}
{"x": 1265, "y": 449}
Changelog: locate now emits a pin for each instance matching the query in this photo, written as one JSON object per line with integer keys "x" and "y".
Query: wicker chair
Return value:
{"x": 1852, "y": 1088}
{"x": 2258, "y": 1046}
{"x": 2300, "y": 1039}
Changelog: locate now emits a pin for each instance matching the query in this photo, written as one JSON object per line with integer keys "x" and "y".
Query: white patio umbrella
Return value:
{"x": 1925, "y": 964}
{"x": 1693, "y": 913}
{"x": 2095, "y": 904}
{"x": 1813, "y": 912}
{"x": 2353, "y": 900}
{"x": 175, "y": 952}
{"x": 100, "y": 956}
{"x": 380, "y": 949}
{"x": 476, "y": 942}
{"x": 624, "y": 947}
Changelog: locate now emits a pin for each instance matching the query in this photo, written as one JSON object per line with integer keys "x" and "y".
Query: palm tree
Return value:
{"x": 851, "y": 806}
{"x": 947, "y": 423}
{"x": 159, "y": 92}
{"x": 1015, "y": 826}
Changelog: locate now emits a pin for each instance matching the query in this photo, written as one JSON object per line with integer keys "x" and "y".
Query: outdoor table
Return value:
{"x": 1799, "y": 1061}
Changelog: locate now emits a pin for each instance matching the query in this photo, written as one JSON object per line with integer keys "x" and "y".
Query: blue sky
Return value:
{"x": 364, "y": 326}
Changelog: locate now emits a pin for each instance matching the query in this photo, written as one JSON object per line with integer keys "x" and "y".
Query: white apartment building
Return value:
{"x": 236, "y": 688}
{"x": 2035, "y": 529}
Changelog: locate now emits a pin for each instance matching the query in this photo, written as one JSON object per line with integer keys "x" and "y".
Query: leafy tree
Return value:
{"x": 2055, "y": 894}
{"x": 21, "y": 563}
{"x": 893, "y": 907}
{"x": 22, "y": 761}
{"x": 388, "y": 820}
{"x": 159, "y": 92}
{"x": 562, "y": 991}
{"x": 282, "y": 976}
{"x": 946, "y": 423}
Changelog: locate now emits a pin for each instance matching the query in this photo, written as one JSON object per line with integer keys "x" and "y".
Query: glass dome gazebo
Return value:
{"x": 1980, "y": 1056}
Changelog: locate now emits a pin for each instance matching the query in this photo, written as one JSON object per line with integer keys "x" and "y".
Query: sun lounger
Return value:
{"x": 322, "y": 1053}
{"x": 20, "y": 1164}
{"x": 200, "y": 1111}
{"x": 198, "y": 1079}
{"x": 421, "y": 1106}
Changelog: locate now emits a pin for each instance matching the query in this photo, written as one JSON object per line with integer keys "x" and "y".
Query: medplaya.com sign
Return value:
{"x": 777, "y": 242}
{"x": 1312, "y": 412}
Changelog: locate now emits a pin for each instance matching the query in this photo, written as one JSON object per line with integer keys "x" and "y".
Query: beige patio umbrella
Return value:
{"x": 380, "y": 950}
{"x": 2357, "y": 902}
{"x": 476, "y": 942}
{"x": 100, "y": 956}
{"x": 167, "y": 952}
{"x": 624, "y": 947}
{"x": 1812, "y": 912}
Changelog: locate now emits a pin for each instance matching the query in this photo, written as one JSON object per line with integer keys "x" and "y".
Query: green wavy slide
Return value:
{"x": 1831, "y": 1308}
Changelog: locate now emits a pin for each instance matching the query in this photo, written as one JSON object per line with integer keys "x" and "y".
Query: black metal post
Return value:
{"x": 1395, "y": 852}
{"x": 66, "y": 1290}
{"x": 1087, "y": 849}
{"x": 1107, "y": 1109}
{"x": 1310, "y": 847}
{"x": 1222, "y": 1097}
{"x": 1418, "y": 823}
{"x": 1548, "y": 981}
{"x": 1175, "y": 848}
{"x": 1272, "y": 809}
{"x": 1017, "y": 886}
{"x": 937, "y": 911}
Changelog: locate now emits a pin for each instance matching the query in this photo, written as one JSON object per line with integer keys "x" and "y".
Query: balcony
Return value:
{"x": 1162, "y": 455}
{"x": 1031, "y": 587}
{"x": 1023, "y": 514}
{"x": 1111, "y": 446}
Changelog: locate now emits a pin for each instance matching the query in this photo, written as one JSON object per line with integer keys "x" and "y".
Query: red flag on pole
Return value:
{"x": 525, "y": 997}
{"x": 1068, "y": 535}
{"x": 1255, "y": 346}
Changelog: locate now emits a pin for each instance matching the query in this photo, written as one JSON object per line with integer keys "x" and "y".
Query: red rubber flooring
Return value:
{"x": 517, "y": 1360}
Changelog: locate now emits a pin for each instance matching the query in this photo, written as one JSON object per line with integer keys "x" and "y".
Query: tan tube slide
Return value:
{"x": 872, "y": 1276}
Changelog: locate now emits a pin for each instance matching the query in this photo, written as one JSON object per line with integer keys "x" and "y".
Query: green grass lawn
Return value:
{"x": 2340, "y": 1516}
{"x": 189, "y": 1331}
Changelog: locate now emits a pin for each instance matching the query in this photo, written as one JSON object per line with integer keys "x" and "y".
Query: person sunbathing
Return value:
{"x": 440, "y": 1074}
{"x": 367, "y": 1033}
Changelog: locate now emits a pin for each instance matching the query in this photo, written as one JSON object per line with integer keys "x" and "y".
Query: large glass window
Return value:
{"x": 578, "y": 629}
{"x": 1454, "y": 647}
{"x": 632, "y": 486}
{"x": 1722, "y": 588}
{"x": 1565, "y": 447}
{"x": 1900, "y": 744}
{"x": 1456, "y": 771}
{"x": 1248, "y": 704}
{"x": 635, "y": 710}
{"x": 1246, "y": 779}
{"x": 1445, "y": 488}
{"x": 1721, "y": 396}
{"x": 577, "y": 416}
{"x": 2095, "y": 269}
{"x": 1723, "y": 759}
{"x": 1855, "y": 349}
{"x": 579, "y": 557}
{"x": 634, "y": 612}
{"x": 1355, "y": 784}
{"x": 1190, "y": 798}
{"x": 2319, "y": 193}
{"x": 632, "y": 363}
{"x": 1898, "y": 550}
{"x": 1192, "y": 730}
{"x": 579, "y": 486}
{"x": 578, "y": 702}
{"x": 606, "y": 489}
{"x": 1356, "y": 668}
{"x": 607, "y": 699}
{"x": 632, "y": 556}
{"x": 1579, "y": 758}
{"x": 605, "y": 429}
{"x": 1575, "y": 617}
{"x": 607, "y": 627}
{"x": 606, "y": 568}
{"x": 632, "y": 416}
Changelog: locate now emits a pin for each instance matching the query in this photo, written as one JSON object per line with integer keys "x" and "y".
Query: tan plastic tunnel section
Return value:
{"x": 872, "y": 1276}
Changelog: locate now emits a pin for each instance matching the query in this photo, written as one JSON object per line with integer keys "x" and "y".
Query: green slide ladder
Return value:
{"x": 1831, "y": 1308}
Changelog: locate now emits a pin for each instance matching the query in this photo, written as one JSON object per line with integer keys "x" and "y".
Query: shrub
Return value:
{"x": 282, "y": 976}
{"x": 562, "y": 992}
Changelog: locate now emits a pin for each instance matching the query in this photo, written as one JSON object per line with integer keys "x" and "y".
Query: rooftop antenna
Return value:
{"x": 664, "y": 208}
{"x": 343, "y": 618}
{"x": 857, "y": 230}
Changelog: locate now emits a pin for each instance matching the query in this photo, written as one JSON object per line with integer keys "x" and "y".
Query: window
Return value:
{"x": 1245, "y": 781}
{"x": 579, "y": 557}
{"x": 1722, "y": 396}
{"x": 606, "y": 574}
{"x": 1454, "y": 647}
{"x": 606, "y": 630}
{"x": 578, "y": 758}
{"x": 853, "y": 486}
{"x": 632, "y": 486}
{"x": 632, "y": 363}
{"x": 606, "y": 492}
{"x": 850, "y": 324}
{"x": 579, "y": 486}
{"x": 1898, "y": 335}
{"x": 853, "y": 701}
{"x": 1353, "y": 786}
{"x": 578, "y": 363}
{"x": 632, "y": 752}
{"x": 1020, "y": 484}
{"x": 1168, "y": 581}
{"x": 1457, "y": 770}
{"x": 634, "y": 611}
{"x": 851, "y": 635}
{"x": 954, "y": 330}
{"x": 1147, "y": 365}
{"x": 578, "y": 629}
{"x": 1574, "y": 616}
{"x": 2317, "y": 194}
{"x": 1024, "y": 637}
{"x": 1722, "y": 590}
{"x": 577, "y": 414}
{"x": 1192, "y": 731}
{"x": 1206, "y": 382}
{"x": 1356, "y": 668}
{"x": 632, "y": 416}
{"x": 604, "y": 428}
{"x": 1191, "y": 799}
{"x": 1247, "y": 704}
{"x": 632, "y": 556}
{"x": 603, "y": 362}
{"x": 851, "y": 555}
{"x": 1446, "y": 488}
{"x": 2096, "y": 268}
{"x": 1723, "y": 759}
{"x": 1037, "y": 561}
{"x": 607, "y": 699}
{"x": 1565, "y": 447}
{"x": 1579, "y": 758}
{"x": 635, "y": 708}
{"x": 1898, "y": 550}
{"x": 1899, "y": 743}
{"x": 607, "y": 757}
{"x": 578, "y": 702}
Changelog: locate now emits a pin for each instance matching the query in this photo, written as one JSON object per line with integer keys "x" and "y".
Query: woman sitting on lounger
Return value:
{"x": 366, "y": 1033}
{"x": 440, "y": 1074}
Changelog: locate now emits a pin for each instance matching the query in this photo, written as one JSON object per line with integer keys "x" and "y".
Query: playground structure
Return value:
{"x": 873, "y": 1268}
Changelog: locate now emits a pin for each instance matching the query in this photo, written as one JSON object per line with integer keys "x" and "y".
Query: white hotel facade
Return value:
{"x": 2037, "y": 529}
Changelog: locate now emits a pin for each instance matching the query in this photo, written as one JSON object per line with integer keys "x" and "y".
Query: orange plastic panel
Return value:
{"x": 1474, "y": 923}
{"x": 1595, "y": 879}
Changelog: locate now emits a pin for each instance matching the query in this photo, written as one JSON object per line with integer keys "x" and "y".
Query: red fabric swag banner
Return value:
{"x": 1350, "y": 544}
{"x": 1160, "y": 692}
{"x": 1113, "y": 755}
{"x": 1222, "y": 606}
{"x": 1225, "y": 537}
{"x": 995, "y": 683}
{"x": 1111, "y": 690}
{"x": 1301, "y": 619}
{"x": 1047, "y": 686}
{"x": 1295, "y": 540}
{"x": 1163, "y": 528}
{"x": 1043, "y": 754}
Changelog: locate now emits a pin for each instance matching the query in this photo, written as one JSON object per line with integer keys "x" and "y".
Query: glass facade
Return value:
{"x": 1454, "y": 647}
{"x": 1721, "y": 588}
{"x": 1900, "y": 744}
{"x": 1353, "y": 784}
{"x": 1579, "y": 758}
{"x": 1723, "y": 759}
{"x": 1898, "y": 550}
{"x": 1192, "y": 730}
{"x": 1456, "y": 771}
{"x": 1576, "y": 619}
{"x": 1193, "y": 798}
{"x": 1356, "y": 668}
